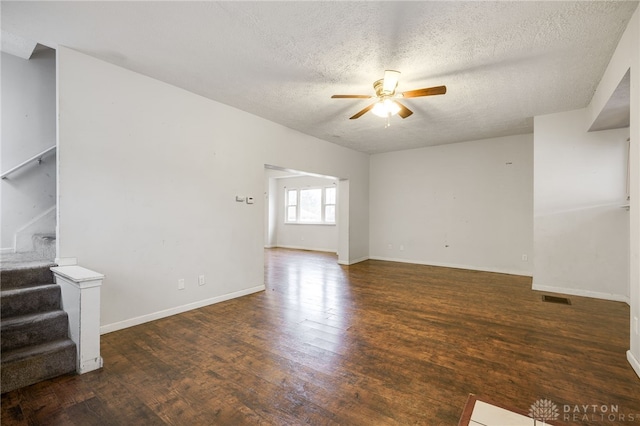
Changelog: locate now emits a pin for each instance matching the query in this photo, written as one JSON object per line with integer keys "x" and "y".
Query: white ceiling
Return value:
{"x": 502, "y": 62}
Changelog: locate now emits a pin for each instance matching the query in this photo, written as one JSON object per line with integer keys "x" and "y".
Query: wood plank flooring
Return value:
{"x": 376, "y": 343}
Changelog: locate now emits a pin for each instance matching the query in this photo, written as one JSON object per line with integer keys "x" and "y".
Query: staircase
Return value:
{"x": 35, "y": 344}
{"x": 40, "y": 252}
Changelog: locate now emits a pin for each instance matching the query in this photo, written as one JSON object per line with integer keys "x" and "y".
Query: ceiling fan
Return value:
{"x": 386, "y": 104}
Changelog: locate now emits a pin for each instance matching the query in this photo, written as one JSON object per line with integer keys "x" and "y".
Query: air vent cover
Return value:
{"x": 555, "y": 299}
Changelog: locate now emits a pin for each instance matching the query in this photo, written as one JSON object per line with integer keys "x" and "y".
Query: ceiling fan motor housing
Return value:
{"x": 378, "y": 86}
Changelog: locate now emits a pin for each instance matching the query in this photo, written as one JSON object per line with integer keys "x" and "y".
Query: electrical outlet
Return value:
{"x": 389, "y": 246}
{"x": 525, "y": 258}
{"x": 401, "y": 247}
{"x": 201, "y": 280}
{"x": 181, "y": 284}
{"x": 635, "y": 325}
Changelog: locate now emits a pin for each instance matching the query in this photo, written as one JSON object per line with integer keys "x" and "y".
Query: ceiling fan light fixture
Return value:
{"x": 386, "y": 107}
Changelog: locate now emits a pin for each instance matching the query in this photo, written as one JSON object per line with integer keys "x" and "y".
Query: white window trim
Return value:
{"x": 325, "y": 204}
{"x": 287, "y": 204}
{"x": 297, "y": 205}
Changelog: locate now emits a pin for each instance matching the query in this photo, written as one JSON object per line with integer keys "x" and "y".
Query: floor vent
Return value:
{"x": 554, "y": 299}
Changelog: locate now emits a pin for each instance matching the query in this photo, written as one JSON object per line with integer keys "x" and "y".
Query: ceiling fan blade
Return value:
{"x": 404, "y": 111}
{"x": 429, "y": 91}
{"x": 359, "y": 114}
{"x": 351, "y": 96}
{"x": 390, "y": 81}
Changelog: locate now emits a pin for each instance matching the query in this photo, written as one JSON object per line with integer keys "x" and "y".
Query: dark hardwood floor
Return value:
{"x": 376, "y": 343}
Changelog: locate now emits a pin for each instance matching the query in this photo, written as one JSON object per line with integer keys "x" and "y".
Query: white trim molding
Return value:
{"x": 635, "y": 364}
{"x": 582, "y": 293}
{"x": 454, "y": 266}
{"x": 305, "y": 248}
{"x": 108, "y": 328}
{"x": 30, "y": 228}
{"x": 80, "y": 288}
{"x": 37, "y": 218}
{"x": 353, "y": 262}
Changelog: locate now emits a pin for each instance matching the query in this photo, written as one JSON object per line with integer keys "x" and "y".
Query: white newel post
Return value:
{"x": 81, "y": 300}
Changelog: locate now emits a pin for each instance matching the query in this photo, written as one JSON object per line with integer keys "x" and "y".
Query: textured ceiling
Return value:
{"x": 616, "y": 114}
{"x": 502, "y": 62}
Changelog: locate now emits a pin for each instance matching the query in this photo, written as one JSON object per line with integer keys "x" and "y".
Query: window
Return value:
{"x": 311, "y": 205}
{"x": 330, "y": 204}
{"x": 292, "y": 205}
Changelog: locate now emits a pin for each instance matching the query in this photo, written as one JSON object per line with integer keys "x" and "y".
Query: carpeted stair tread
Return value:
{"x": 33, "y": 329}
{"x": 25, "y": 277}
{"x": 29, "y": 300}
{"x": 26, "y": 366}
{"x": 23, "y": 353}
{"x": 45, "y": 245}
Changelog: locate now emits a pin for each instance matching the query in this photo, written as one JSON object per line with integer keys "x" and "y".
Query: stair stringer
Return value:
{"x": 45, "y": 223}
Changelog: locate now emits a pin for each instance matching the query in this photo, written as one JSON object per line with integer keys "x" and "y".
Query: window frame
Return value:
{"x": 288, "y": 205}
{"x": 334, "y": 204}
{"x": 323, "y": 205}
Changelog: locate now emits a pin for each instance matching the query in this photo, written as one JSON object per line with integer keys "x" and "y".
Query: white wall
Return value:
{"x": 627, "y": 56}
{"x": 303, "y": 236}
{"x": 581, "y": 233}
{"x": 148, "y": 175}
{"x": 466, "y": 205}
{"x": 28, "y": 128}
{"x": 269, "y": 209}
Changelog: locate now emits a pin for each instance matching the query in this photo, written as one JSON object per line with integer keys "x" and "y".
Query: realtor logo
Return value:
{"x": 543, "y": 410}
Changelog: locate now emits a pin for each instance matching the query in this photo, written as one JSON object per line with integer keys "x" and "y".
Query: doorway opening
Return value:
{"x": 306, "y": 211}
{"x": 29, "y": 160}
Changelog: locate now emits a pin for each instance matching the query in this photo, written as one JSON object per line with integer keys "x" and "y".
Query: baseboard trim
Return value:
{"x": 352, "y": 262}
{"x": 109, "y": 328}
{"x": 453, "y": 265}
{"x": 582, "y": 293}
{"x": 304, "y": 248}
{"x": 7, "y": 250}
{"x": 635, "y": 364}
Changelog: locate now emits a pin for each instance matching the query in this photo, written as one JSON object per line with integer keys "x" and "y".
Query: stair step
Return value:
{"x": 28, "y": 277}
{"x": 33, "y": 329}
{"x": 29, "y": 300}
{"x": 45, "y": 245}
{"x": 26, "y": 366}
